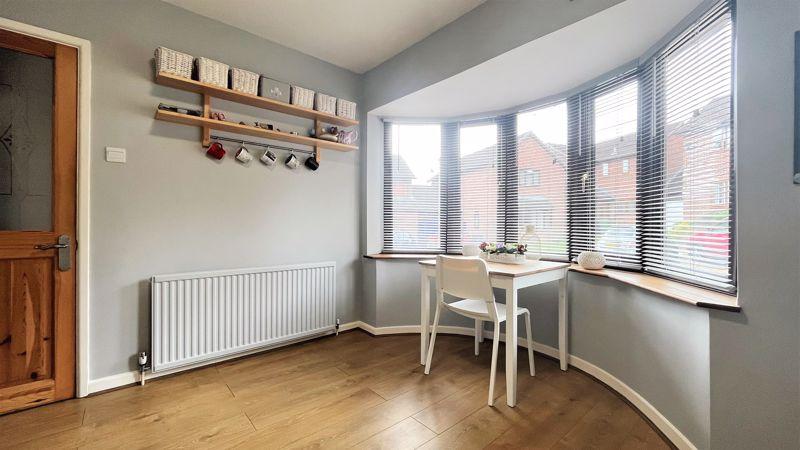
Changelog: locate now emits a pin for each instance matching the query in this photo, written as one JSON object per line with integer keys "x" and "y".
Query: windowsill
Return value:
{"x": 703, "y": 298}
{"x": 400, "y": 256}
{"x": 693, "y": 295}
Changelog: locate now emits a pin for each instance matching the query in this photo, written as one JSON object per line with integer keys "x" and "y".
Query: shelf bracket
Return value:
{"x": 207, "y": 115}
{"x": 317, "y": 133}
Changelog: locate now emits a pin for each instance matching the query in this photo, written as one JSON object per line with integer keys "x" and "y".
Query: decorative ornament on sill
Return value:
{"x": 591, "y": 260}
{"x": 533, "y": 243}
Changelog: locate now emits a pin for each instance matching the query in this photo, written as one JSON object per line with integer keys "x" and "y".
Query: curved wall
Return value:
{"x": 656, "y": 346}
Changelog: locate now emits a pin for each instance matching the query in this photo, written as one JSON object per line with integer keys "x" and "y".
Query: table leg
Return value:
{"x": 511, "y": 346}
{"x": 424, "y": 314}
{"x": 563, "y": 332}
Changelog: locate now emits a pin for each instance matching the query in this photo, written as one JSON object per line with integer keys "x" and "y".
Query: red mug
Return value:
{"x": 216, "y": 151}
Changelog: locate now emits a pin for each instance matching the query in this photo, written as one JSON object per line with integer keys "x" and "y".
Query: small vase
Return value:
{"x": 533, "y": 243}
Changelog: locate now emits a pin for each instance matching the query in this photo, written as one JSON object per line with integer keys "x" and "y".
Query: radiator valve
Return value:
{"x": 142, "y": 366}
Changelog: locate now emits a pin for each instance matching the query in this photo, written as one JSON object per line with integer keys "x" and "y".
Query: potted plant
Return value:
{"x": 508, "y": 253}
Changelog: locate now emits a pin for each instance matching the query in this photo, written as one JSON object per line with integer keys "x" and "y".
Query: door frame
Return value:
{"x": 83, "y": 243}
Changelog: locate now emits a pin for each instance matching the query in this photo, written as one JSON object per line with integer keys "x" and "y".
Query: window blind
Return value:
{"x": 542, "y": 176}
{"x": 603, "y": 126}
{"x": 639, "y": 167}
{"x": 479, "y": 161}
{"x": 688, "y": 191}
{"x": 412, "y": 214}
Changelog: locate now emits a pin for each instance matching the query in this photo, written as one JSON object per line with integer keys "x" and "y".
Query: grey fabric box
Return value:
{"x": 276, "y": 90}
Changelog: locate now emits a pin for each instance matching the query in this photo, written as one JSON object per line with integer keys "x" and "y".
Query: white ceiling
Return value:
{"x": 550, "y": 65}
{"x": 354, "y": 34}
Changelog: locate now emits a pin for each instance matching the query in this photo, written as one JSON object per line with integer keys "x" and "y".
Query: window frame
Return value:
{"x": 580, "y": 149}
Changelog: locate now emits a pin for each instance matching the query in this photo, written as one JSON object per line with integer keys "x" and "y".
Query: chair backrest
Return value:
{"x": 464, "y": 278}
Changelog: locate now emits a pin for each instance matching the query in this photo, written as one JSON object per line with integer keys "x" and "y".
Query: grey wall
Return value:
{"x": 657, "y": 346}
{"x": 755, "y": 374}
{"x": 170, "y": 209}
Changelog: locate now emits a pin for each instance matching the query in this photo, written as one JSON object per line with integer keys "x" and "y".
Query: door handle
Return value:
{"x": 64, "y": 255}
{"x": 49, "y": 246}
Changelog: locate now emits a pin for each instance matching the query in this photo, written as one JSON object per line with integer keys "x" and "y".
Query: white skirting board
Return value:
{"x": 665, "y": 426}
{"x": 670, "y": 431}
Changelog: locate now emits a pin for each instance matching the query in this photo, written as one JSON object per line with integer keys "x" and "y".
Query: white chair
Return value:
{"x": 468, "y": 279}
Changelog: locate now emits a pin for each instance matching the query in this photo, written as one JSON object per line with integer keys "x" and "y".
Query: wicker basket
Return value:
{"x": 172, "y": 62}
{"x": 212, "y": 72}
{"x": 302, "y": 97}
{"x": 244, "y": 81}
{"x": 346, "y": 109}
{"x": 325, "y": 103}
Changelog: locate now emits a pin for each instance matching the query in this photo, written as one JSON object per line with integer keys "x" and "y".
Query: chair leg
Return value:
{"x": 478, "y": 336}
{"x": 433, "y": 337}
{"x": 495, "y": 344}
{"x": 530, "y": 342}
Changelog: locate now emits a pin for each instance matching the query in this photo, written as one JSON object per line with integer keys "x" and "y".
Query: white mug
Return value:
{"x": 292, "y": 162}
{"x": 243, "y": 155}
{"x": 470, "y": 250}
{"x": 268, "y": 158}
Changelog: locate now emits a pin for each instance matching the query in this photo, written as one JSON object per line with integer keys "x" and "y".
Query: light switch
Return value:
{"x": 114, "y": 154}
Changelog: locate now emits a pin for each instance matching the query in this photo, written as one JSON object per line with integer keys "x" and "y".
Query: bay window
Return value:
{"x": 639, "y": 167}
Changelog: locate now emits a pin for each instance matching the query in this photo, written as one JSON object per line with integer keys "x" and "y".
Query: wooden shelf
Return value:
{"x": 232, "y": 127}
{"x": 252, "y": 100}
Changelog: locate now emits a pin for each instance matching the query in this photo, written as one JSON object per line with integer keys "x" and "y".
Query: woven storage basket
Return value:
{"x": 244, "y": 81}
{"x": 346, "y": 109}
{"x": 212, "y": 72}
{"x": 325, "y": 103}
{"x": 302, "y": 97}
{"x": 172, "y": 62}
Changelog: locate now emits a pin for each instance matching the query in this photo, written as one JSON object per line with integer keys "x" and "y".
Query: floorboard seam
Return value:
{"x": 250, "y": 420}
{"x": 415, "y": 419}
{"x": 230, "y": 390}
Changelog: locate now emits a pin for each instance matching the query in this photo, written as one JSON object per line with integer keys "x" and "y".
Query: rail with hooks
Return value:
{"x": 260, "y": 144}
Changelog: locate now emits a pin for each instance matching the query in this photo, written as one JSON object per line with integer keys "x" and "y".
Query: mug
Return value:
{"x": 470, "y": 250}
{"x": 243, "y": 155}
{"x": 268, "y": 158}
{"x": 216, "y": 151}
{"x": 292, "y": 162}
{"x": 312, "y": 163}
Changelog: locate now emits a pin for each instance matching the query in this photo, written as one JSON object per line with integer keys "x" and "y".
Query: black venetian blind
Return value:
{"x": 687, "y": 187}
{"x": 639, "y": 167}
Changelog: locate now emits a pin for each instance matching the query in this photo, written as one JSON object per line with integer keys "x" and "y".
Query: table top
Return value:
{"x": 514, "y": 270}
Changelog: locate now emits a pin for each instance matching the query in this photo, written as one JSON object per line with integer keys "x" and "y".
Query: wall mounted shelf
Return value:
{"x": 207, "y": 124}
{"x": 251, "y": 100}
{"x": 232, "y": 127}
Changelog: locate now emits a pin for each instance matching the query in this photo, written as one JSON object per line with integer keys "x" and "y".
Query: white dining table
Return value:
{"x": 511, "y": 278}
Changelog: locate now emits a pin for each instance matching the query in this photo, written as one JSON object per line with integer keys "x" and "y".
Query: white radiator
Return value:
{"x": 205, "y": 316}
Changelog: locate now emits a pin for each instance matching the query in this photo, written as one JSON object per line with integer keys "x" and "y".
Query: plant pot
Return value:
{"x": 504, "y": 258}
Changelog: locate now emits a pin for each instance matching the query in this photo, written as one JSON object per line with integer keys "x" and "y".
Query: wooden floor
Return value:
{"x": 353, "y": 390}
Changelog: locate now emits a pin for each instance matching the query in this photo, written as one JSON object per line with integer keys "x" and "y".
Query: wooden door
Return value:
{"x": 38, "y": 171}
